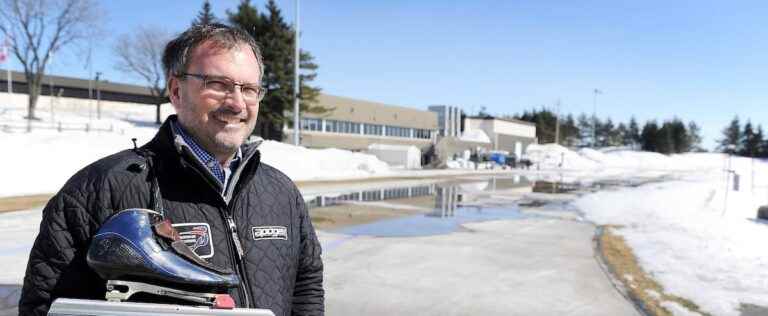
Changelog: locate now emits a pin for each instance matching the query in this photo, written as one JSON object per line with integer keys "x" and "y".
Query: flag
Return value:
{"x": 4, "y": 52}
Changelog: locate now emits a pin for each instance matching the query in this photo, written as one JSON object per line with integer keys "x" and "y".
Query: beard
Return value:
{"x": 221, "y": 132}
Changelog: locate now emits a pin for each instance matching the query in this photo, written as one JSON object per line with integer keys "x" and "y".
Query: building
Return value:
{"x": 357, "y": 124}
{"x": 448, "y": 120}
{"x": 509, "y": 135}
{"x": 68, "y": 88}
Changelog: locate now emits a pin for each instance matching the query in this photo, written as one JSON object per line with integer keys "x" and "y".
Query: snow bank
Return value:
{"x": 40, "y": 162}
{"x": 300, "y": 163}
{"x": 689, "y": 237}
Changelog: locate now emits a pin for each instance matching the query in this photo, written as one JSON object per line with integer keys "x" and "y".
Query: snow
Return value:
{"x": 690, "y": 230}
{"x": 45, "y": 158}
{"x": 697, "y": 242}
{"x": 475, "y": 135}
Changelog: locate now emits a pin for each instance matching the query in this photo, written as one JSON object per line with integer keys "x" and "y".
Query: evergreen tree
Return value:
{"x": 621, "y": 134}
{"x": 633, "y": 133}
{"x": 694, "y": 137}
{"x": 585, "y": 129}
{"x": 205, "y": 16}
{"x": 648, "y": 137}
{"x": 731, "y": 141}
{"x": 762, "y": 148}
{"x": 679, "y": 135}
{"x": 750, "y": 145}
{"x": 570, "y": 132}
{"x": 276, "y": 39}
{"x": 664, "y": 141}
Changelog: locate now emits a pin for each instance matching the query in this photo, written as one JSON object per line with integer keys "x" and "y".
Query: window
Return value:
{"x": 398, "y": 131}
{"x": 421, "y": 133}
{"x": 372, "y": 129}
{"x": 334, "y": 126}
{"x": 311, "y": 124}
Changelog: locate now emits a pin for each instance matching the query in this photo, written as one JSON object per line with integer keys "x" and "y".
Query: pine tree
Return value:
{"x": 731, "y": 141}
{"x": 679, "y": 136}
{"x": 664, "y": 142}
{"x": 585, "y": 129}
{"x": 694, "y": 137}
{"x": 570, "y": 131}
{"x": 633, "y": 133}
{"x": 276, "y": 38}
{"x": 762, "y": 147}
{"x": 621, "y": 134}
{"x": 205, "y": 16}
{"x": 648, "y": 137}
{"x": 750, "y": 145}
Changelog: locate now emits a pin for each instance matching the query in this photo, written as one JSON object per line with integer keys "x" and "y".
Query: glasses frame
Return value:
{"x": 230, "y": 84}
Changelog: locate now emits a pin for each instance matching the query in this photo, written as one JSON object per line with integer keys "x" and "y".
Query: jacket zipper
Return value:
{"x": 239, "y": 259}
{"x": 234, "y": 241}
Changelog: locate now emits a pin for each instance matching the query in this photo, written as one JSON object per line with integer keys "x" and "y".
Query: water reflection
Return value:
{"x": 371, "y": 195}
{"x": 420, "y": 208}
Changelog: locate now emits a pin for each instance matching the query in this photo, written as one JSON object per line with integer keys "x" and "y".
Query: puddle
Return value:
{"x": 430, "y": 209}
{"x": 433, "y": 223}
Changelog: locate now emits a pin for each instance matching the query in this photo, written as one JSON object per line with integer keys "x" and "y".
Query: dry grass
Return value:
{"x": 638, "y": 283}
{"x": 18, "y": 203}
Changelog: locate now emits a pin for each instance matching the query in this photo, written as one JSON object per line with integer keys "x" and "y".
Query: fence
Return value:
{"x": 30, "y": 125}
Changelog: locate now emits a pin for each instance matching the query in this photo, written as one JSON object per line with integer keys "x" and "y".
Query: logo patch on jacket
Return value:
{"x": 197, "y": 236}
{"x": 269, "y": 232}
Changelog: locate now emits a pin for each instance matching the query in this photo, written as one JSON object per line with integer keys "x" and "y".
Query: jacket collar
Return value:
{"x": 164, "y": 144}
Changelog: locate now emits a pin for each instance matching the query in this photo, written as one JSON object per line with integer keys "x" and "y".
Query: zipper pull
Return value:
{"x": 235, "y": 238}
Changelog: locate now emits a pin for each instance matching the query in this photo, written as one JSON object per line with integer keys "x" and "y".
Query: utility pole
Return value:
{"x": 296, "y": 91}
{"x": 98, "y": 96}
{"x": 557, "y": 122}
{"x": 594, "y": 117}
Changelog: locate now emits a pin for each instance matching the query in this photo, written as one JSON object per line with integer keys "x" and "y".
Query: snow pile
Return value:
{"x": 475, "y": 135}
{"x": 556, "y": 157}
{"x": 553, "y": 156}
{"x": 300, "y": 163}
{"x": 695, "y": 242}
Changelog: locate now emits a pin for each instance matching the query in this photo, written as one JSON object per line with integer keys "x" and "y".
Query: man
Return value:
{"x": 242, "y": 214}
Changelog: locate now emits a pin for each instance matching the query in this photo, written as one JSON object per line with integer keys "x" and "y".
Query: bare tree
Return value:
{"x": 141, "y": 54}
{"x": 37, "y": 28}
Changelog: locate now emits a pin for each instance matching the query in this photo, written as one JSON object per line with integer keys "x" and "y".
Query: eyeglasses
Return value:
{"x": 219, "y": 87}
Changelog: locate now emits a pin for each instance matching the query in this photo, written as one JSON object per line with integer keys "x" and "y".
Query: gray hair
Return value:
{"x": 177, "y": 54}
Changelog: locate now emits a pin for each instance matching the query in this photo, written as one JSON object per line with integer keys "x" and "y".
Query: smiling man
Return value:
{"x": 235, "y": 211}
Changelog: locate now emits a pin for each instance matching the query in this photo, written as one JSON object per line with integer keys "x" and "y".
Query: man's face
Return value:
{"x": 219, "y": 122}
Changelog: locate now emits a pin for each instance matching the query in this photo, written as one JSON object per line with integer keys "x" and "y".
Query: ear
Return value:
{"x": 174, "y": 91}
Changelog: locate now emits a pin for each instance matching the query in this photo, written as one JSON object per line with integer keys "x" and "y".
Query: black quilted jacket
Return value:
{"x": 281, "y": 261}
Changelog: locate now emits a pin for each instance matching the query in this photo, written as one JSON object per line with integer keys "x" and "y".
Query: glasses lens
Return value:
{"x": 218, "y": 85}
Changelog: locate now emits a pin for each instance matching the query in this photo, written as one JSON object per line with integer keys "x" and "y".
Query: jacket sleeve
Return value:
{"x": 56, "y": 265}
{"x": 308, "y": 294}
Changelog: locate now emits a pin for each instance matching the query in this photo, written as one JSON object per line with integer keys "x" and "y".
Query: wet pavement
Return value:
{"x": 471, "y": 249}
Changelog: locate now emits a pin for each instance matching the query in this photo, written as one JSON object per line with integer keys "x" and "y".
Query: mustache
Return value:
{"x": 226, "y": 113}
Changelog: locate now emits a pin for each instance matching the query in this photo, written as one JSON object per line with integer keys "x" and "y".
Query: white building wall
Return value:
{"x": 511, "y": 128}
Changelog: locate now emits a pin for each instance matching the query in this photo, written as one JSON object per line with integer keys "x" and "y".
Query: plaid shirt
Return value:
{"x": 206, "y": 158}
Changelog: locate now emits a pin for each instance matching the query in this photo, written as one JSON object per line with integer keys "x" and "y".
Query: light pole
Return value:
{"x": 296, "y": 123}
{"x": 594, "y": 117}
{"x": 98, "y": 96}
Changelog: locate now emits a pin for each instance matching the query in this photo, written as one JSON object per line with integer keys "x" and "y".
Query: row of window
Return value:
{"x": 335, "y": 126}
{"x": 371, "y": 195}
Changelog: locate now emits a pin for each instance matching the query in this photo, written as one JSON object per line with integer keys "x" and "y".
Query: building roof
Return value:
{"x": 361, "y": 111}
{"x": 70, "y": 82}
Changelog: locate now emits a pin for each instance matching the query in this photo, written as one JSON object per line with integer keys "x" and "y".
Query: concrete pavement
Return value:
{"x": 534, "y": 266}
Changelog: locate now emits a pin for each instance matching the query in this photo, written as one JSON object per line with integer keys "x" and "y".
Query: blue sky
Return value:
{"x": 698, "y": 60}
